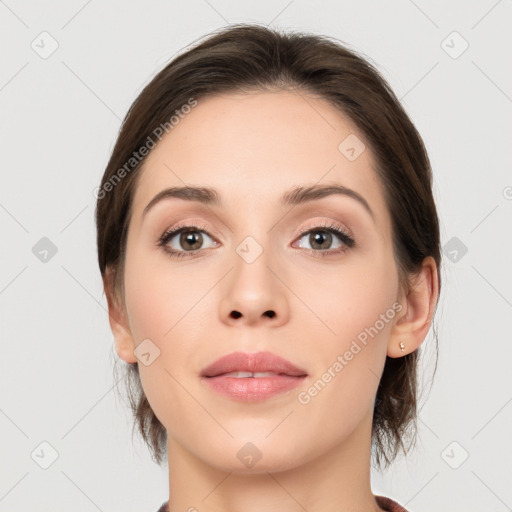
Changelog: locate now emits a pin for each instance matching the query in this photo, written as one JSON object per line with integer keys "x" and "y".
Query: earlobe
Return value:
{"x": 411, "y": 328}
{"x": 118, "y": 320}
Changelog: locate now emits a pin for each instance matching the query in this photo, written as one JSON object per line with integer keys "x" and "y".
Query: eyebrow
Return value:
{"x": 295, "y": 196}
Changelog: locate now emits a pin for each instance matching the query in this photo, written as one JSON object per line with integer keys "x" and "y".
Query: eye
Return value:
{"x": 184, "y": 241}
{"x": 188, "y": 241}
{"x": 321, "y": 239}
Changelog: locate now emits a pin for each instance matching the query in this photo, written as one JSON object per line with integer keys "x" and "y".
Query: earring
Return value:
{"x": 402, "y": 346}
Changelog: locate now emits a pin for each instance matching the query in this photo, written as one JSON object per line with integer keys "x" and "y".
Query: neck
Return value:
{"x": 335, "y": 480}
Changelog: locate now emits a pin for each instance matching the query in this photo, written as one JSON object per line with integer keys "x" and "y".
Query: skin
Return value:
{"x": 252, "y": 148}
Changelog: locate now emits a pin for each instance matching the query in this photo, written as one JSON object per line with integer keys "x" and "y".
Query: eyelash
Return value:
{"x": 347, "y": 240}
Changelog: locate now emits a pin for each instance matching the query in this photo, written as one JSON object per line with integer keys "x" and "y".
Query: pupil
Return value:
{"x": 319, "y": 237}
{"x": 192, "y": 238}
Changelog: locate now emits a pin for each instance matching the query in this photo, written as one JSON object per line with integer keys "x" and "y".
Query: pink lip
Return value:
{"x": 257, "y": 362}
{"x": 288, "y": 376}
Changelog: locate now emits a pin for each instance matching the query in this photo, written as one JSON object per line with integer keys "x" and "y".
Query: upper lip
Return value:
{"x": 252, "y": 362}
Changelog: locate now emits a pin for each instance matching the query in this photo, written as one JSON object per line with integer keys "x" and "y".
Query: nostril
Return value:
{"x": 270, "y": 314}
{"x": 235, "y": 314}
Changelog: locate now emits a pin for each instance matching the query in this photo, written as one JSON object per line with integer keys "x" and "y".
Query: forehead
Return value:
{"x": 258, "y": 145}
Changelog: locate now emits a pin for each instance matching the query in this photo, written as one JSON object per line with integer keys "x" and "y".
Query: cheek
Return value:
{"x": 155, "y": 295}
{"x": 167, "y": 306}
{"x": 163, "y": 306}
{"x": 354, "y": 314}
{"x": 348, "y": 301}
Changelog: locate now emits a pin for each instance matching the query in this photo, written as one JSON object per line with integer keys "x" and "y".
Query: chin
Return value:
{"x": 246, "y": 456}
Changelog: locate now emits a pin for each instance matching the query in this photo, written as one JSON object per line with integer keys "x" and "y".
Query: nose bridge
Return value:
{"x": 251, "y": 268}
{"x": 253, "y": 229}
{"x": 254, "y": 250}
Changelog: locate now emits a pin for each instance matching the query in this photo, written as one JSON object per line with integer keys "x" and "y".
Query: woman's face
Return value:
{"x": 334, "y": 304}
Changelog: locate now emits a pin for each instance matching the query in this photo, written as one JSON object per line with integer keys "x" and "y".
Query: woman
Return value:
{"x": 269, "y": 247}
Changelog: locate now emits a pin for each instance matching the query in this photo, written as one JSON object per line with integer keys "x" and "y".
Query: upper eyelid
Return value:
{"x": 303, "y": 211}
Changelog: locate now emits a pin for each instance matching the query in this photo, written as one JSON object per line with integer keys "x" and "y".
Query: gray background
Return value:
{"x": 60, "y": 116}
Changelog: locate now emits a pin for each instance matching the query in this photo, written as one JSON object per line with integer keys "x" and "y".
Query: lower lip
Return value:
{"x": 253, "y": 389}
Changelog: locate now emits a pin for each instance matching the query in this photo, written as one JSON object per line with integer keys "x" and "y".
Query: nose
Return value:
{"x": 254, "y": 294}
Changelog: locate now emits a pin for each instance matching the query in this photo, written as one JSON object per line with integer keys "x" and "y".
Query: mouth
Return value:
{"x": 246, "y": 375}
{"x": 257, "y": 365}
{"x": 252, "y": 377}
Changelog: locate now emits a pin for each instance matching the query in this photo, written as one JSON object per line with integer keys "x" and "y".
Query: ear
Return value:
{"x": 419, "y": 305}
{"x": 118, "y": 320}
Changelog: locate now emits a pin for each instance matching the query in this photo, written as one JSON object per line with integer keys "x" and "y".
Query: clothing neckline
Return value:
{"x": 384, "y": 502}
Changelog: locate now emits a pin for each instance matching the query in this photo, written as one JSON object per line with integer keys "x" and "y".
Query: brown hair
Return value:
{"x": 241, "y": 58}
